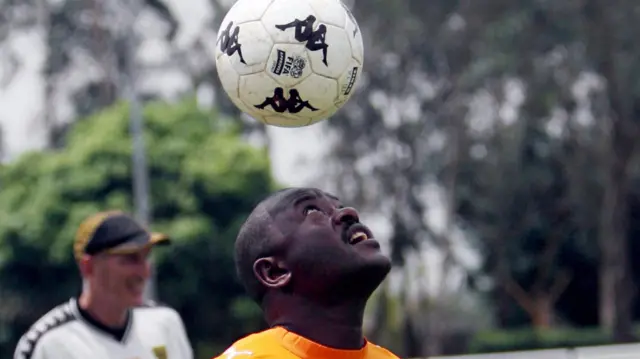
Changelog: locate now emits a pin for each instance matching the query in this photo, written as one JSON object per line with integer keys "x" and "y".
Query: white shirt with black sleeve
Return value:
{"x": 67, "y": 332}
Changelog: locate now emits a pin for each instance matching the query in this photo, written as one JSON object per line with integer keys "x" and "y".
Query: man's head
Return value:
{"x": 112, "y": 251}
{"x": 303, "y": 241}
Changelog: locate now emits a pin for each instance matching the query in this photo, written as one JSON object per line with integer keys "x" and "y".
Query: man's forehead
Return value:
{"x": 287, "y": 197}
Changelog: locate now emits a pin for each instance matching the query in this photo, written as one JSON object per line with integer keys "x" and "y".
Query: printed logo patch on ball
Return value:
{"x": 288, "y": 65}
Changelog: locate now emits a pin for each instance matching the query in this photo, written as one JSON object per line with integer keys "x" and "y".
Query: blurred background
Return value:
{"x": 491, "y": 144}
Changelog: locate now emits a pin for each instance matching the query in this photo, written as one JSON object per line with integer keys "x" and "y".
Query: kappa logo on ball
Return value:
{"x": 315, "y": 40}
{"x": 281, "y": 104}
{"x": 288, "y": 65}
{"x": 228, "y": 41}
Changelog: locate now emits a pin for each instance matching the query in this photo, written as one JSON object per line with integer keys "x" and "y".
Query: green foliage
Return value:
{"x": 204, "y": 180}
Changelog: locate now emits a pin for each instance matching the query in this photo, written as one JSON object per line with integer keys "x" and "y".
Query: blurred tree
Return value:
{"x": 529, "y": 241}
{"x": 441, "y": 88}
{"x": 204, "y": 181}
{"x": 609, "y": 36}
{"x": 79, "y": 36}
{"x": 2, "y": 144}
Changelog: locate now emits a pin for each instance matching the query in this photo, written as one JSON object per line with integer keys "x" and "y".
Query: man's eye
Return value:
{"x": 310, "y": 209}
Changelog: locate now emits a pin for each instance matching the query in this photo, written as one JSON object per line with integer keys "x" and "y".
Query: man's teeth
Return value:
{"x": 357, "y": 237}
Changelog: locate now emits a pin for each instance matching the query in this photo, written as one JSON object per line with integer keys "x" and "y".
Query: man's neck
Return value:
{"x": 100, "y": 309}
{"x": 338, "y": 326}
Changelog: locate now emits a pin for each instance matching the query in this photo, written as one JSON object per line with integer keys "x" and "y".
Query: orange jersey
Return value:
{"x": 278, "y": 343}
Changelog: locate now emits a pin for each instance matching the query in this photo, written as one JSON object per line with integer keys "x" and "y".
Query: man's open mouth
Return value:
{"x": 356, "y": 233}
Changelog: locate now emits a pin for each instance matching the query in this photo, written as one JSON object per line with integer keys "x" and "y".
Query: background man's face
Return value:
{"x": 121, "y": 277}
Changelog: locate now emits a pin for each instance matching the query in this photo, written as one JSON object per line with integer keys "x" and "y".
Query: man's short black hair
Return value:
{"x": 255, "y": 240}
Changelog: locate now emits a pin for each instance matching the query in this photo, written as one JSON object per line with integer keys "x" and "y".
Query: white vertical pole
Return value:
{"x": 142, "y": 200}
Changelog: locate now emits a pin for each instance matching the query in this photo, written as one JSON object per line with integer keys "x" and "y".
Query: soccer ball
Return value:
{"x": 289, "y": 63}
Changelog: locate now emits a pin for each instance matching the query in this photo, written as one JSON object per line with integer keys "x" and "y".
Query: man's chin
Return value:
{"x": 136, "y": 299}
{"x": 375, "y": 264}
{"x": 378, "y": 269}
{"x": 368, "y": 276}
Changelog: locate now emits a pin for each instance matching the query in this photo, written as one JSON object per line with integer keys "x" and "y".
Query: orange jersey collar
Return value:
{"x": 306, "y": 349}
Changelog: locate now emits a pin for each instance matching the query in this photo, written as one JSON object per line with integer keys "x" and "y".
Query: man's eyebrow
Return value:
{"x": 287, "y": 198}
{"x": 304, "y": 197}
{"x": 296, "y": 196}
{"x": 332, "y": 197}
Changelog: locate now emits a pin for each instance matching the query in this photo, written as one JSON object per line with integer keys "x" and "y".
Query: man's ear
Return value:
{"x": 271, "y": 272}
{"x": 85, "y": 264}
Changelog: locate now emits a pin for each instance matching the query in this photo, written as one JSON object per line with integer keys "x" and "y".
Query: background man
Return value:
{"x": 312, "y": 266}
{"x": 109, "y": 319}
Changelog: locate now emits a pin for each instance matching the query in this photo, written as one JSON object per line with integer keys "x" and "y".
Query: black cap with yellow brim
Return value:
{"x": 114, "y": 232}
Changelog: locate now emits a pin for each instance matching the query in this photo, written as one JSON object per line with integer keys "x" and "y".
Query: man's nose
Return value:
{"x": 143, "y": 267}
{"x": 346, "y": 216}
{"x": 143, "y": 272}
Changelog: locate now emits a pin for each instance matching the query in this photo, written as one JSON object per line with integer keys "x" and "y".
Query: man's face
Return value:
{"x": 121, "y": 277}
{"x": 327, "y": 250}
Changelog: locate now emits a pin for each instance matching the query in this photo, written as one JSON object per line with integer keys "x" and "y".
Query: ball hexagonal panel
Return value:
{"x": 247, "y": 46}
{"x": 329, "y": 12}
{"x": 244, "y": 11}
{"x": 325, "y": 115}
{"x": 288, "y": 64}
{"x": 347, "y": 82}
{"x": 355, "y": 36}
{"x": 290, "y": 21}
{"x": 229, "y": 79}
{"x": 284, "y": 121}
{"x": 333, "y": 57}
{"x": 316, "y": 94}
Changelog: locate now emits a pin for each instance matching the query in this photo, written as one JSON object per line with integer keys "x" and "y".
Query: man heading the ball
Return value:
{"x": 312, "y": 266}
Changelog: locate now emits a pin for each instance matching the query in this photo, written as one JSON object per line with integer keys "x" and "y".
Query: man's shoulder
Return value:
{"x": 55, "y": 320}
{"x": 257, "y": 345}
{"x": 152, "y": 305}
{"x": 158, "y": 311}
{"x": 377, "y": 352}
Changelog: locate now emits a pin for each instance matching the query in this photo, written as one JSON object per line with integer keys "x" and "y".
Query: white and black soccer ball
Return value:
{"x": 289, "y": 63}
